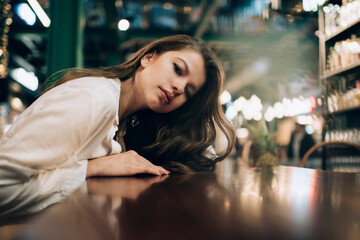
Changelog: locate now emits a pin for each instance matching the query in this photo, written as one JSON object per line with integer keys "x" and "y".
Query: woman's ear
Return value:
{"x": 146, "y": 60}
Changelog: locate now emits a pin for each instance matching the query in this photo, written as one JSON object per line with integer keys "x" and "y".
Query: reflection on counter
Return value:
{"x": 235, "y": 201}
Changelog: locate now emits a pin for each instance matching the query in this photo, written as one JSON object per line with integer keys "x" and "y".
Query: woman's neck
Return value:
{"x": 129, "y": 99}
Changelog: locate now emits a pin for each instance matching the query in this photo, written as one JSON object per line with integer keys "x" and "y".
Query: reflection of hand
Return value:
{"x": 122, "y": 164}
{"x": 125, "y": 187}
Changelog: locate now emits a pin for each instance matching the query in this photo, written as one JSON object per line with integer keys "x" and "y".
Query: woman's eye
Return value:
{"x": 177, "y": 69}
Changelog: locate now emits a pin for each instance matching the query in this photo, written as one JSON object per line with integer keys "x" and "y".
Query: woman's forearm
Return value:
{"x": 122, "y": 164}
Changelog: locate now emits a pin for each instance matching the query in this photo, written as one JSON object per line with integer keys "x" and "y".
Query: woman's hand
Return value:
{"x": 122, "y": 164}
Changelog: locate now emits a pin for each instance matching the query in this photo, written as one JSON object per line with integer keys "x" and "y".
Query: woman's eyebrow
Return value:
{"x": 186, "y": 66}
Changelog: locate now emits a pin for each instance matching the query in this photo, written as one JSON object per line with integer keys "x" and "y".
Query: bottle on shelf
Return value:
{"x": 337, "y": 18}
{"x": 348, "y": 135}
{"x": 344, "y": 53}
{"x": 344, "y": 99}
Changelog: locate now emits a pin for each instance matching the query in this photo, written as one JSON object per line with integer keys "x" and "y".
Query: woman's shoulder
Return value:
{"x": 105, "y": 90}
{"x": 95, "y": 83}
{"x": 99, "y": 92}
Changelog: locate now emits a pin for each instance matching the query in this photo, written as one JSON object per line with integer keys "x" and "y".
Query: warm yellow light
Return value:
{"x": 225, "y": 97}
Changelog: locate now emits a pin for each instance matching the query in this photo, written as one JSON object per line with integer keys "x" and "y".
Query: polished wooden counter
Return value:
{"x": 235, "y": 202}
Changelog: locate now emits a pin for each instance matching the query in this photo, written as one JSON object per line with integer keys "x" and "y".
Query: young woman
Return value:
{"x": 166, "y": 97}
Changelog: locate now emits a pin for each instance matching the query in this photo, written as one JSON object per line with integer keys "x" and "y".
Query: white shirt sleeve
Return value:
{"x": 48, "y": 146}
{"x": 39, "y": 191}
{"x": 210, "y": 153}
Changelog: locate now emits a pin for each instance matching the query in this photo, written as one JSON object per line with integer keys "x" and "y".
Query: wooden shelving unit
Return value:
{"x": 343, "y": 71}
{"x": 344, "y": 119}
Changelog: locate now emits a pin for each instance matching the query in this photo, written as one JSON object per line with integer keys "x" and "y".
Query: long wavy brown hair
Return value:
{"x": 175, "y": 140}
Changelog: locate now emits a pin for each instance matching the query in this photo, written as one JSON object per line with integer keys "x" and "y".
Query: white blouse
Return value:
{"x": 44, "y": 155}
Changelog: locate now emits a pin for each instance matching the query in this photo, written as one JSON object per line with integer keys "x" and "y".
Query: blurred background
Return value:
{"x": 291, "y": 65}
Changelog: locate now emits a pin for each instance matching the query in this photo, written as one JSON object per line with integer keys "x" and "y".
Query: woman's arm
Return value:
{"x": 122, "y": 164}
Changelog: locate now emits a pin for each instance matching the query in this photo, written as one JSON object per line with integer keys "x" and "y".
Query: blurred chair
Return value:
{"x": 340, "y": 154}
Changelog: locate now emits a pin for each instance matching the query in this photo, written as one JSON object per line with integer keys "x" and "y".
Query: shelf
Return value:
{"x": 342, "y": 31}
{"x": 344, "y": 111}
{"x": 347, "y": 70}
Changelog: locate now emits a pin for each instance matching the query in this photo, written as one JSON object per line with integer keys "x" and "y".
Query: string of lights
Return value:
{"x": 5, "y": 21}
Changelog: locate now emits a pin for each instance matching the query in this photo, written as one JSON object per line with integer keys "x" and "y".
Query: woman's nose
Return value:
{"x": 178, "y": 87}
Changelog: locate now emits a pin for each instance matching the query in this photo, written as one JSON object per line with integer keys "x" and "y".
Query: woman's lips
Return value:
{"x": 166, "y": 96}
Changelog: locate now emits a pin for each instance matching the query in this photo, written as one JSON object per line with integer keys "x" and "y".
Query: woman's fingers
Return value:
{"x": 151, "y": 166}
{"x": 159, "y": 170}
{"x": 151, "y": 170}
{"x": 163, "y": 170}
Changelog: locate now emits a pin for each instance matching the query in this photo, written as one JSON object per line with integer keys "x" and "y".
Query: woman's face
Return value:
{"x": 168, "y": 80}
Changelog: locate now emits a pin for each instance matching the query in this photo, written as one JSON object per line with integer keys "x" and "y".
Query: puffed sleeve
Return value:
{"x": 47, "y": 147}
{"x": 210, "y": 153}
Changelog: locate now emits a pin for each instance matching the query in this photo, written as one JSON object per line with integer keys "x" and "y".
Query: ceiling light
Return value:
{"x": 40, "y": 13}
{"x": 26, "y": 14}
{"x": 123, "y": 25}
{"x": 25, "y": 78}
